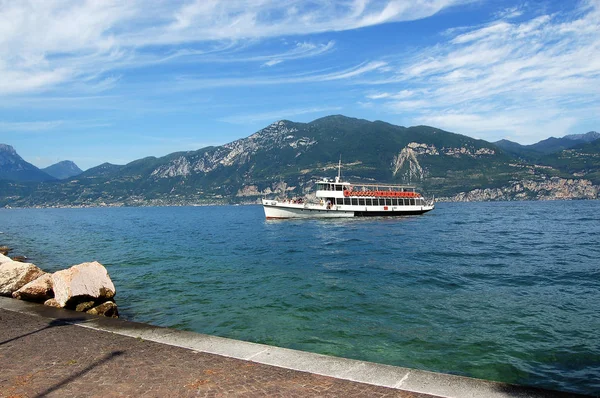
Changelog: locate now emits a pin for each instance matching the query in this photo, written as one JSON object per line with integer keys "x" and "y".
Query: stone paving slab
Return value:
{"x": 52, "y": 358}
{"x": 53, "y": 352}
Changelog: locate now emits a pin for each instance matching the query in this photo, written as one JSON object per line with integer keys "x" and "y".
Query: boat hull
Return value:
{"x": 274, "y": 212}
{"x": 278, "y": 210}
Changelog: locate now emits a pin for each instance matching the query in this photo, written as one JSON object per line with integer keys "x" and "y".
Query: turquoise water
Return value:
{"x": 505, "y": 291}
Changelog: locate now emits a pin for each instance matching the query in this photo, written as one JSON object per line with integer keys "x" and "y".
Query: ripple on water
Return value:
{"x": 502, "y": 291}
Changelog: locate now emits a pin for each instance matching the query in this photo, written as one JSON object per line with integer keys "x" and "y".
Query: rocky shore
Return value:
{"x": 84, "y": 287}
{"x": 554, "y": 188}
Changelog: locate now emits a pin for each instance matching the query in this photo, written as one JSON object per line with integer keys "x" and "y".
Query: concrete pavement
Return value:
{"x": 59, "y": 353}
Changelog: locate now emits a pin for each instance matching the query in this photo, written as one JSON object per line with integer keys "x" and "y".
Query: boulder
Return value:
{"x": 107, "y": 309}
{"x": 4, "y": 259}
{"x": 86, "y": 305}
{"x": 14, "y": 275}
{"x": 52, "y": 303}
{"x": 80, "y": 283}
{"x": 38, "y": 290}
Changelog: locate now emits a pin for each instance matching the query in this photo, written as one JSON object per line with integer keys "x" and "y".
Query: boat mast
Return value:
{"x": 339, "y": 170}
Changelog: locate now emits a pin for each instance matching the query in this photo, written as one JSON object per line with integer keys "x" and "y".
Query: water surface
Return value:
{"x": 506, "y": 291}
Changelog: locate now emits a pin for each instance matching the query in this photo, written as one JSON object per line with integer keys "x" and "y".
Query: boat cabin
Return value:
{"x": 341, "y": 193}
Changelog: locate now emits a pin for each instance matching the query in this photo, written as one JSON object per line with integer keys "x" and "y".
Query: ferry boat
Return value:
{"x": 340, "y": 199}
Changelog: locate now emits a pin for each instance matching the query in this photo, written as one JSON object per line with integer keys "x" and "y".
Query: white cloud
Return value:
{"x": 511, "y": 12}
{"x": 190, "y": 83}
{"x": 276, "y": 115}
{"x": 524, "y": 124}
{"x": 273, "y": 62}
{"x": 537, "y": 76}
{"x": 30, "y": 126}
{"x": 48, "y": 125}
{"x": 44, "y": 44}
{"x": 240, "y": 19}
{"x": 378, "y": 95}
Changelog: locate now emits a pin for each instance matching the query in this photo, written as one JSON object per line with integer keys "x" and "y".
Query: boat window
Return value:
{"x": 381, "y": 202}
{"x": 361, "y": 202}
{"x": 404, "y": 202}
{"x": 355, "y": 201}
{"x": 369, "y": 202}
{"x": 346, "y": 201}
{"x": 339, "y": 188}
{"x": 339, "y": 201}
{"x": 394, "y": 202}
{"x": 388, "y": 202}
{"x": 412, "y": 202}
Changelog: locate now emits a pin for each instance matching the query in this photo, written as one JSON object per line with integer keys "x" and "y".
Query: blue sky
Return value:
{"x": 113, "y": 81}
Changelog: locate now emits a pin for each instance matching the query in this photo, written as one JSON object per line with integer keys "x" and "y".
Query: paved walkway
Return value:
{"x": 56, "y": 353}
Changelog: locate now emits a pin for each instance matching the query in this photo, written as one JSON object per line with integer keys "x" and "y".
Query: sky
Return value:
{"x": 97, "y": 81}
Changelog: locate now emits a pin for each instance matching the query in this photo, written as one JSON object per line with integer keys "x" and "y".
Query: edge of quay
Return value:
{"x": 405, "y": 379}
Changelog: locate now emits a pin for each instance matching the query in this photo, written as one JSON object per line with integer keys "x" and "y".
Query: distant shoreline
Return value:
{"x": 437, "y": 200}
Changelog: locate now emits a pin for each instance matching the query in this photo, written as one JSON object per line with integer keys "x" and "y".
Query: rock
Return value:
{"x": 14, "y": 275}
{"x": 4, "y": 250}
{"x": 83, "y": 282}
{"x": 52, "y": 303}
{"x": 107, "y": 309}
{"x": 4, "y": 259}
{"x": 20, "y": 259}
{"x": 38, "y": 290}
{"x": 86, "y": 305}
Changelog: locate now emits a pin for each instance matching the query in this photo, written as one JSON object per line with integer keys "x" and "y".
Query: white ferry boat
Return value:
{"x": 338, "y": 199}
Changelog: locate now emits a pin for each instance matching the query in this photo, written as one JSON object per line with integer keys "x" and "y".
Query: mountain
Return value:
{"x": 582, "y": 161}
{"x": 285, "y": 158}
{"x": 14, "y": 168}
{"x": 547, "y": 146}
{"x": 298, "y": 152}
{"x": 516, "y": 149}
{"x": 63, "y": 170}
{"x": 584, "y": 138}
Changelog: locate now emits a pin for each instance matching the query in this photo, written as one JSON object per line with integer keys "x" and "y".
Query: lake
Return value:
{"x": 506, "y": 291}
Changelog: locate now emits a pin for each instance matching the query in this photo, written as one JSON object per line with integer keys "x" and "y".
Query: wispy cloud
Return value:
{"x": 538, "y": 75}
{"x": 55, "y": 42}
{"x": 240, "y": 19}
{"x": 192, "y": 83}
{"x": 276, "y": 115}
{"x": 48, "y": 125}
{"x": 30, "y": 126}
{"x": 511, "y": 12}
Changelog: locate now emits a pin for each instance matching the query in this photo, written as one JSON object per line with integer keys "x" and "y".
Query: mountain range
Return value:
{"x": 14, "y": 168}
{"x": 286, "y": 157}
{"x": 547, "y": 146}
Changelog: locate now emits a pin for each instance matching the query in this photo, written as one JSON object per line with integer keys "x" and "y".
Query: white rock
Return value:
{"x": 14, "y": 275}
{"x": 39, "y": 289}
{"x": 4, "y": 259}
{"x": 81, "y": 283}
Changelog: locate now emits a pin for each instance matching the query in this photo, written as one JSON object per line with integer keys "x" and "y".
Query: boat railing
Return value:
{"x": 379, "y": 187}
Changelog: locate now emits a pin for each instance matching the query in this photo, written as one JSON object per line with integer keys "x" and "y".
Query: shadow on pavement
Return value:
{"x": 51, "y": 324}
{"x": 107, "y": 358}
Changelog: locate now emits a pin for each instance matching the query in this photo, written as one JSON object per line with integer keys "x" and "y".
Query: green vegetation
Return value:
{"x": 438, "y": 162}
